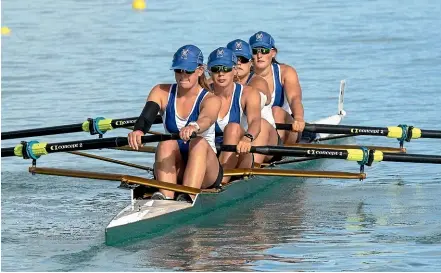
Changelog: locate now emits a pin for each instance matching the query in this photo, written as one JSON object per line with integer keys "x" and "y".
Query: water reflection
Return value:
{"x": 232, "y": 238}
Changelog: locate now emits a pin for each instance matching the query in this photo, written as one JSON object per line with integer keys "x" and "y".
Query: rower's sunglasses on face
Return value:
{"x": 262, "y": 50}
{"x": 243, "y": 60}
{"x": 220, "y": 68}
{"x": 179, "y": 71}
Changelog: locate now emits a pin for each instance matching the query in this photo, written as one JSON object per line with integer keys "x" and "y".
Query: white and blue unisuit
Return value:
{"x": 235, "y": 113}
{"x": 173, "y": 123}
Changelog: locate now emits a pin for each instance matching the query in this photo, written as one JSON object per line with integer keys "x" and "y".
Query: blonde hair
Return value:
{"x": 202, "y": 80}
{"x": 236, "y": 75}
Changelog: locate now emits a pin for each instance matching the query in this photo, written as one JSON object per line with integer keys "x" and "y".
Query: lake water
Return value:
{"x": 69, "y": 60}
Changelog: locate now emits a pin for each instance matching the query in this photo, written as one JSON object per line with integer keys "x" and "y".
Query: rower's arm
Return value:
{"x": 159, "y": 94}
{"x": 293, "y": 92}
{"x": 251, "y": 102}
{"x": 210, "y": 108}
{"x": 260, "y": 84}
{"x": 154, "y": 104}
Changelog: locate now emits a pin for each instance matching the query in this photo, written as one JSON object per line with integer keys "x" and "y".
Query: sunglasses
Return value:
{"x": 220, "y": 68}
{"x": 180, "y": 71}
{"x": 262, "y": 50}
{"x": 243, "y": 60}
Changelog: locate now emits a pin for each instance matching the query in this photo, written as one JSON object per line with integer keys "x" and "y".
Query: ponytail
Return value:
{"x": 202, "y": 80}
{"x": 274, "y": 61}
{"x": 236, "y": 76}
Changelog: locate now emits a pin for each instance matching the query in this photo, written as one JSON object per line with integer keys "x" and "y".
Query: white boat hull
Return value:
{"x": 144, "y": 218}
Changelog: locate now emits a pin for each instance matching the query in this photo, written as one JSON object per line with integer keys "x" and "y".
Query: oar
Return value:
{"x": 151, "y": 149}
{"x": 111, "y": 160}
{"x": 101, "y": 125}
{"x": 34, "y": 149}
{"x": 115, "y": 177}
{"x": 94, "y": 126}
{"x": 144, "y": 149}
{"x": 336, "y": 146}
{"x": 294, "y": 173}
{"x": 403, "y": 132}
{"x": 365, "y": 156}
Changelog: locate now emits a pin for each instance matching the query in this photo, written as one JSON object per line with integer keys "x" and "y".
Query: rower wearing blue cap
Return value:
{"x": 186, "y": 107}
{"x": 286, "y": 93}
{"x": 239, "y": 116}
{"x": 268, "y": 134}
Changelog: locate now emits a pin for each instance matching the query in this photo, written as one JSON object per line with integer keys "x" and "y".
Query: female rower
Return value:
{"x": 186, "y": 108}
{"x": 286, "y": 94}
{"x": 239, "y": 116}
{"x": 268, "y": 134}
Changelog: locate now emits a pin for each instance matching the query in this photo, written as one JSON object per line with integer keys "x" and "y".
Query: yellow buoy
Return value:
{"x": 139, "y": 4}
{"x": 6, "y": 31}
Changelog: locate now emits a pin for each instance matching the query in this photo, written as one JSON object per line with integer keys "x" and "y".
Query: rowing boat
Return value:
{"x": 145, "y": 217}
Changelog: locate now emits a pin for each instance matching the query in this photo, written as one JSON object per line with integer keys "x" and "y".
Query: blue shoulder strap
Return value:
{"x": 235, "y": 108}
{"x": 279, "y": 97}
{"x": 170, "y": 118}
{"x": 196, "y": 109}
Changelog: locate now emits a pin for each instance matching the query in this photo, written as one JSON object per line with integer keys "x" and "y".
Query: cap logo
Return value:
{"x": 184, "y": 53}
{"x": 220, "y": 53}
{"x": 239, "y": 45}
{"x": 259, "y": 36}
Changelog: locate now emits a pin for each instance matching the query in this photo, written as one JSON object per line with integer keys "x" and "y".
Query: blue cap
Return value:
{"x": 240, "y": 48}
{"x": 261, "y": 39}
{"x": 222, "y": 56}
{"x": 188, "y": 57}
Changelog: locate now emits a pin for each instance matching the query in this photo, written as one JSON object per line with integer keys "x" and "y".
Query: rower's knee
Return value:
{"x": 166, "y": 148}
{"x": 167, "y": 157}
{"x": 198, "y": 143}
{"x": 232, "y": 132}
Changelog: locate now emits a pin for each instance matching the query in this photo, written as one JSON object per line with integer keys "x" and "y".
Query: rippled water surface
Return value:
{"x": 69, "y": 60}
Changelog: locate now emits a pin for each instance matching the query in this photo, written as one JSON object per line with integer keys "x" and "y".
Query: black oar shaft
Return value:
{"x": 62, "y": 129}
{"x": 348, "y": 154}
{"x": 92, "y": 144}
{"x": 412, "y": 158}
{"x": 70, "y": 128}
{"x": 8, "y": 152}
{"x": 392, "y": 132}
{"x": 430, "y": 134}
{"x": 339, "y": 129}
{"x": 290, "y": 151}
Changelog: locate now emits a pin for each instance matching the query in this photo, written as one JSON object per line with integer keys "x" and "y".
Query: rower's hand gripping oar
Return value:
{"x": 400, "y": 132}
